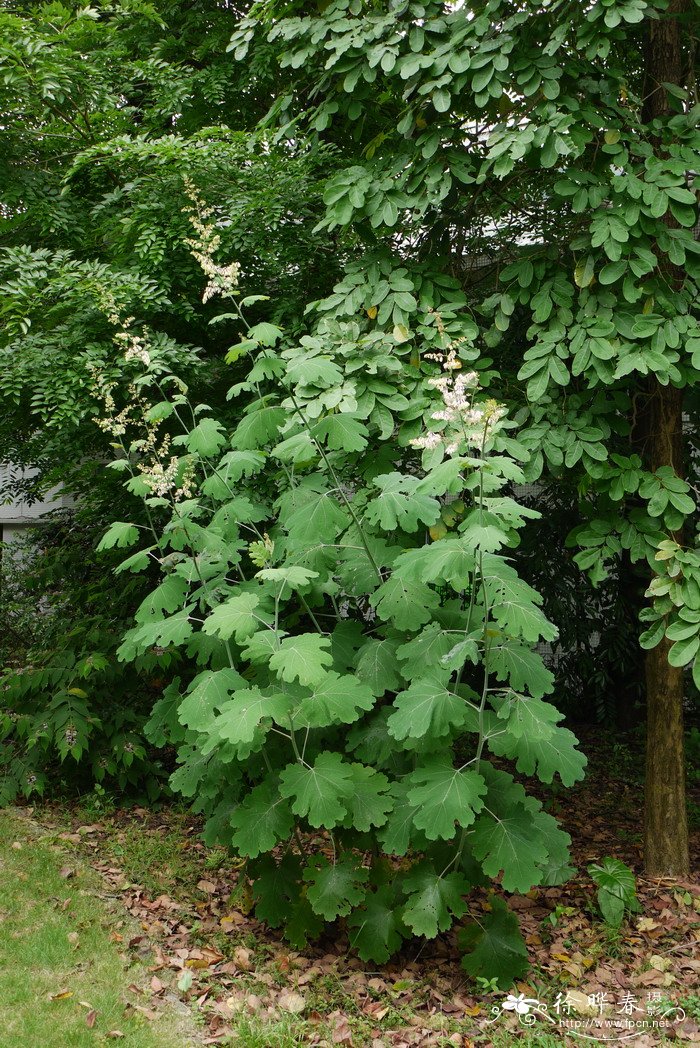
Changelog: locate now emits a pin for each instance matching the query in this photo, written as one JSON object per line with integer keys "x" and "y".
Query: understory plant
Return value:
{"x": 69, "y": 711}
{"x": 335, "y": 567}
{"x": 617, "y": 890}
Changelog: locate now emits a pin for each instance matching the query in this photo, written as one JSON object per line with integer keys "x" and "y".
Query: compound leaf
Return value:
{"x": 241, "y": 715}
{"x": 206, "y": 438}
{"x": 406, "y": 604}
{"x": 521, "y": 667}
{"x": 168, "y": 596}
{"x": 119, "y": 535}
{"x": 399, "y": 506}
{"x": 508, "y": 843}
{"x": 377, "y": 666}
{"x": 162, "y": 633}
{"x": 427, "y": 708}
{"x": 369, "y": 801}
{"x": 425, "y": 649}
{"x": 276, "y": 888}
{"x": 341, "y": 433}
{"x": 399, "y": 828}
{"x": 234, "y": 618}
{"x": 320, "y": 519}
{"x": 376, "y": 927}
{"x": 335, "y": 700}
{"x": 544, "y": 755}
{"x": 433, "y": 901}
{"x": 207, "y": 693}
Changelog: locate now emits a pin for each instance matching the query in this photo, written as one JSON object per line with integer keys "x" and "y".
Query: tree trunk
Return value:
{"x": 665, "y": 819}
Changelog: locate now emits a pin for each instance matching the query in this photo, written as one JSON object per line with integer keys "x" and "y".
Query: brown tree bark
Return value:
{"x": 665, "y": 818}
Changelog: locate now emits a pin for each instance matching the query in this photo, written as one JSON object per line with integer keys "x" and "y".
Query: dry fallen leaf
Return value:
{"x": 184, "y": 983}
{"x": 91, "y": 1018}
{"x": 309, "y": 975}
{"x": 17, "y": 846}
{"x": 242, "y": 959}
{"x": 291, "y": 1002}
{"x": 342, "y": 1033}
{"x": 74, "y": 939}
{"x": 580, "y": 1003}
{"x": 148, "y": 1012}
{"x": 114, "y": 1035}
{"x": 653, "y": 977}
{"x": 62, "y": 995}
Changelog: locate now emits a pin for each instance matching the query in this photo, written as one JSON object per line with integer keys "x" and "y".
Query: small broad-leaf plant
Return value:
{"x": 335, "y": 567}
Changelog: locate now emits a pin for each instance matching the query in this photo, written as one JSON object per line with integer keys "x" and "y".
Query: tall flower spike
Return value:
{"x": 222, "y": 280}
{"x": 465, "y": 423}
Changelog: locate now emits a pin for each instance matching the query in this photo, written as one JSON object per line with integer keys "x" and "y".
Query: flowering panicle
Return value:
{"x": 466, "y": 423}
{"x": 110, "y": 420}
{"x": 149, "y": 454}
{"x": 222, "y": 280}
{"x": 169, "y": 478}
{"x": 134, "y": 345}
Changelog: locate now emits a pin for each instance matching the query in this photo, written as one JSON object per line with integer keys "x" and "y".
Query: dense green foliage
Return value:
{"x": 104, "y": 115}
{"x": 357, "y": 674}
{"x": 69, "y": 711}
{"x": 546, "y": 154}
{"x": 105, "y": 111}
{"x": 466, "y": 235}
{"x": 513, "y": 139}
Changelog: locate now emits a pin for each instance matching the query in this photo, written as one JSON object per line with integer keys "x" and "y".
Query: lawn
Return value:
{"x": 64, "y": 975}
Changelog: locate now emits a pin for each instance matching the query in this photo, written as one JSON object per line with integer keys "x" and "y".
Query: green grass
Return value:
{"x": 47, "y": 947}
{"x": 158, "y": 860}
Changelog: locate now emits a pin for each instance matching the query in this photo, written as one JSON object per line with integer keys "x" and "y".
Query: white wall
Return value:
{"x": 18, "y": 513}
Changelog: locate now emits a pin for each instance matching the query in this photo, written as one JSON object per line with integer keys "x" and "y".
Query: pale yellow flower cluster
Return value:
{"x": 149, "y": 455}
{"x": 222, "y": 280}
{"x": 111, "y": 421}
{"x": 466, "y": 422}
{"x": 163, "y": 479}
{"x": 134, "y": 345}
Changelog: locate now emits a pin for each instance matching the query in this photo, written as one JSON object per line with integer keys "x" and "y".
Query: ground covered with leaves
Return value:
{"x": 184, "y": 911}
